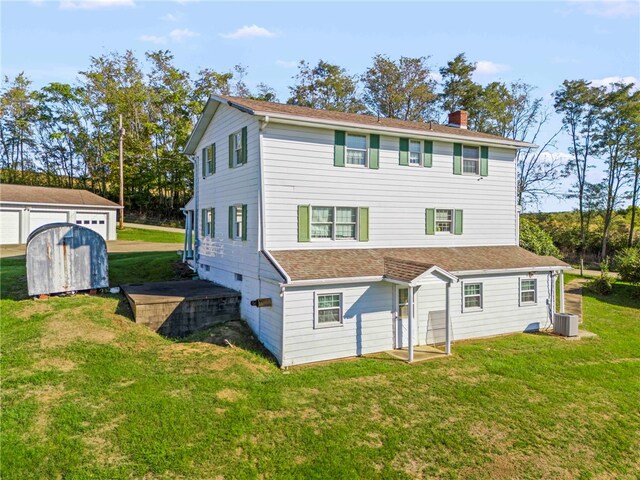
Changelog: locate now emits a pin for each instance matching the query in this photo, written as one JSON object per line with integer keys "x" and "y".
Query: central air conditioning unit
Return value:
{"x": 565, "y": 324}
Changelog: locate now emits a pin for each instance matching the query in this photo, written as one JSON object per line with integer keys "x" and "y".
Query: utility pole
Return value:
{"x": 121, "y": 177}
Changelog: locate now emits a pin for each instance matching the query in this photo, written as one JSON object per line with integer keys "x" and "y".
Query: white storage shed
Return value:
{"x": 24, "y": 208}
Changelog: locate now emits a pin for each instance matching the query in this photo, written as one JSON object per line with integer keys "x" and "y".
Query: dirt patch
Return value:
{"x": 47, "y": 398}
{"x": 35, "y": 307}
{"x": 492, "y": 435}
{"x": 104, "y": 452}
{"x": 61, "y": 364}
{"x": 64, "y": 328}
{"x": 230, "y": 395}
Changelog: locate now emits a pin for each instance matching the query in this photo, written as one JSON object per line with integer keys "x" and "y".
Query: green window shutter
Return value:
{"x": 404, "y": 151}
{"x": 212, "y": 231}
{"x": 204, "y": 222}
{"x": 245, "y": 153}
{"x": 339, "y": 147}
{"x": 231, "y": 151}
{"x": 374, "y": 151}
{"x": 245, "y": 222}
{"x": 363, "y": 224}
{"x": 484, "y": 161}
{"x": 203, "y": 158}
{"x": 457, "y": 222}
{"x": 457, "y": 159}
{"x": 428, "y": 153}
{"x": 231, "y": 215}
{"x": 304, "y": 225}
{"x": 211, "y": 159}
{"x": 430, "y": 221}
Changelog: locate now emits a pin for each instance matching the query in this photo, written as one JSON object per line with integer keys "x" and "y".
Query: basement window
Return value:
{"x": 238, "y": 277}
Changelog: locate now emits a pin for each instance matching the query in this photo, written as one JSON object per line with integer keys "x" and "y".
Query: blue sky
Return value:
{"x": 542, "y": 43}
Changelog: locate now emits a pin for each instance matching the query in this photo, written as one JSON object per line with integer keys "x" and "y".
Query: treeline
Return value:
{"x": 67, "y": 134}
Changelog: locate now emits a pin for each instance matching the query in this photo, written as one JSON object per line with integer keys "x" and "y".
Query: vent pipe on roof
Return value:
{"x": 458, "y": 119}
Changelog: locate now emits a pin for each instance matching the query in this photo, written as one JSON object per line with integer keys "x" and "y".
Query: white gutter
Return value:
{"x": 509, "y": 270}
{"x": 332, "y": 281}
{"x": 331, "y": 124}
{"x": 38, "y": 204}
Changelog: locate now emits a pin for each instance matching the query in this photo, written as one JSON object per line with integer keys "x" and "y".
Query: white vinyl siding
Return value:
{"x": 298, "y": 170}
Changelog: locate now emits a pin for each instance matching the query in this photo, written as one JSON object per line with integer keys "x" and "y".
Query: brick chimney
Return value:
{"x": 458, "y": 119}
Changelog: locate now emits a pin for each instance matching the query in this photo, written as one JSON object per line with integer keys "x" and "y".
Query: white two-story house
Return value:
{"x": 349, "y": 234}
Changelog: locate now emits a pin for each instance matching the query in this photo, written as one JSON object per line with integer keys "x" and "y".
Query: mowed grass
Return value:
{"x": 144, "y": 235}
{"x": 86, "y": 393}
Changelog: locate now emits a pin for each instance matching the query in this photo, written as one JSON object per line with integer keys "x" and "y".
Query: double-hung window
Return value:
{"x": 237, "y": 148}
{"x": 472, "y": 296}
{"x": 415, "y": 152}
{"x": 471, "y": 160}
{"x": 211, "y": 159}
{"x": 528, "y": 291}
{"x": 356, "y": 150}
{"x": 237, "y": 222}
{"x": 334, "y": 223}
{"x": 328, "y": 310}
{"x": 444, "y": 221}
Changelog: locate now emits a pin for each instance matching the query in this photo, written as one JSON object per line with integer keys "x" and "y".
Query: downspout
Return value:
{"x": 196, "y": 212}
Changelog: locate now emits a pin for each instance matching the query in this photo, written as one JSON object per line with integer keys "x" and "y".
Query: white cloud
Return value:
{"x": 435, "y": 75}
{"x": 153, "y": 39}
{"x": 609, "y": 8}
{"x": 286, "y": 63}
{"x": 606, "y": 81}
{"x": 170, "y": 17}
{"x": 486, "y": 67}
{"x": 252, "y": 31}
{"x": 94, "y": 4}
{"x": 180, "y": 34}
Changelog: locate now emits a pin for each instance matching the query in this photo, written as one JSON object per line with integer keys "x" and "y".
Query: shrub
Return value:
{"x": 628, "y": 264}
{"x": 536, "y": 240}
{"x": 604, "y": 284}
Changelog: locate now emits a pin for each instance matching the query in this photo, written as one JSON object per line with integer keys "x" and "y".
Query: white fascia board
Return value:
{"x": 358, "y": 127}
{"x": 331, "y": 281}
{"x": 435, "y": 271}
{"x": 201, "y": 125}
{"x": 54, "y": 205}
{"x": 471, "y": 273}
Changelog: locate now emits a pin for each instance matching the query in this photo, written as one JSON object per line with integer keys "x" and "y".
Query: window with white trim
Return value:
{"x": 415, "y": 152}
{"x": 328, "y": 310}
{"x": 334, "y": 223}
{"x": 356, "y": 150}
{"x": 472, "y": 296}
{"x": 444, "y": 221}
{"x": 237, "y": 148}
{"x": 237, "y": 222}
{"x": 528, "y": 291}
{"x": 471, "y": 160}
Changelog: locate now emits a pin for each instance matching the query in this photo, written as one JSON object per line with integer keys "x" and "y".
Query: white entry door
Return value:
{"x": 402, "y": 317}
{"x": 9, "y": 227}
{"x": 95, "y": 221}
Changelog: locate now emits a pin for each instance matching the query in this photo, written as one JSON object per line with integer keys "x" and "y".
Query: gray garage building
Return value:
{"x": 24, "y": 208}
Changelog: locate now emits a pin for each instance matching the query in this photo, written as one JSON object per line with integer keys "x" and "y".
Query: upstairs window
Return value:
{"x": 334, "y": 223}
{"x": 444, "y": 221}
{"x": 237, "y": 149}
{"x": 414, "y": 152}
{"x": 238, "y": 222}
{"x": 471, "y": 160}
{"x": 357, "y": 150}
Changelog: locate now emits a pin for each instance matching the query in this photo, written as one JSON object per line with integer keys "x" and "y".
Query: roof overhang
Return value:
{"x": 214, "y": 102}
{"x": 41, "y": 204}
{"x": 466, "y": 273}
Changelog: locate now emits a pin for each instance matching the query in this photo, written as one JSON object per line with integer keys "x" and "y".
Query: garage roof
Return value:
{"x": 51, "y": 196}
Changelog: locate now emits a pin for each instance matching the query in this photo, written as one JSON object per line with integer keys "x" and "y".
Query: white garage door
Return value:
{"x": 95, "y": 221}
{"x": 38, "y": 218}
{"x": 9, "y": 227}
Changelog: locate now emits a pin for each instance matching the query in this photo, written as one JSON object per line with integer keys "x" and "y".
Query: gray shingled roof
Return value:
{"x": 51, "y": 196}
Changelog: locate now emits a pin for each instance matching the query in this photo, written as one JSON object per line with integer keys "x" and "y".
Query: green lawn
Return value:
{"x": 88, "y": 394}
{"x": 143, "y": 235}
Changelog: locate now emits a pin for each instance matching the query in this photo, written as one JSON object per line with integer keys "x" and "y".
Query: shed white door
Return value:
{"x": 95, "y": 221}
{"x": 9, "y": 227}
{"x": 38, "y": 218}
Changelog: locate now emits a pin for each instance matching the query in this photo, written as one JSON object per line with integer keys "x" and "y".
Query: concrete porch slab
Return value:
{"x": 421, "y": 353}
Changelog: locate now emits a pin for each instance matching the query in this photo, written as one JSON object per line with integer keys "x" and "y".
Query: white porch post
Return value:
{"x": 410, "y": 325}
{"x": 447, "y": 325}
{"x": 561, "y": 280}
